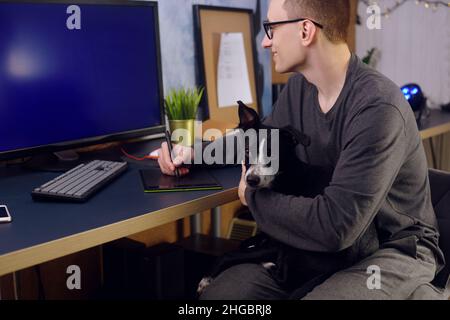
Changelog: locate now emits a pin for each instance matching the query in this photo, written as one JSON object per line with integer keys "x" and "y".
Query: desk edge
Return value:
{"x": 24, "y": 258}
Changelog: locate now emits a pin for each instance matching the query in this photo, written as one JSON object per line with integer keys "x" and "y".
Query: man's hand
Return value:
{"x": 181, "y": 155}
{"x": 243, "y": 186}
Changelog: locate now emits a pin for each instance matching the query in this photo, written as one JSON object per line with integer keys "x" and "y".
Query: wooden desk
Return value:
{"x": 43, "y": 231}
{"x": 436, "y": 124}
{"x": 434, "y": 127}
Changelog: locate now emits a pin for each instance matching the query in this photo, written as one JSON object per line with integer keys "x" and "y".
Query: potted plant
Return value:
{"x": 181, "y": 107}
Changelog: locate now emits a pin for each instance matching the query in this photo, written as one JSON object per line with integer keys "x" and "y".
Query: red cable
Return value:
{"x": 137, "y": 158}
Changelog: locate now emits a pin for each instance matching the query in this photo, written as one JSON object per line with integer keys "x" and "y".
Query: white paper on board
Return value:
{"x": 233, "y": 83}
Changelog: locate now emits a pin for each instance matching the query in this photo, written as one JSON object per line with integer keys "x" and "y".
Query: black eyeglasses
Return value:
{"x": 269, "y": 30}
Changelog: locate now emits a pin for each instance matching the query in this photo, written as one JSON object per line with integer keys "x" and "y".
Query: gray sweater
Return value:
{"x": 370, "y": 137}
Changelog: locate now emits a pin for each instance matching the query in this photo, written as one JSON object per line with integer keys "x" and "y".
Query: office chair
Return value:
{"x": 440, "y": 198}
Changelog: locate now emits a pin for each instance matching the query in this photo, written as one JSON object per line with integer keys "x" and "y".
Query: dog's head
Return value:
{"x": 273, "y": 144}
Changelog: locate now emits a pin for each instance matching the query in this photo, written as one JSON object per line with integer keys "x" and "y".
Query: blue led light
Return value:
{"x": 414, "y": 96}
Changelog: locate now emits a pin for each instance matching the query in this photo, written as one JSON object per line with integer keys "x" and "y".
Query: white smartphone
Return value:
{"x": 4, "y": 214}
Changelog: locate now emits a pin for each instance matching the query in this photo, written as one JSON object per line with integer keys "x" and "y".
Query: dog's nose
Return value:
{"x": 253, "y": 181}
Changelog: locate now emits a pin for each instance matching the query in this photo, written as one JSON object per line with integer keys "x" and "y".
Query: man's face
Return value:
{"x": 285, "y": 44}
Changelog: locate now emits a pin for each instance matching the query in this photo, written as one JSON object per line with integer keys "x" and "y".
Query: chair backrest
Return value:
{"x": 440, "y": 197}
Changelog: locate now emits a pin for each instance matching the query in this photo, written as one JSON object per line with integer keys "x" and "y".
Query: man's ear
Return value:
{"x": 248, "y": 118}
{"x": 308, "y": 32}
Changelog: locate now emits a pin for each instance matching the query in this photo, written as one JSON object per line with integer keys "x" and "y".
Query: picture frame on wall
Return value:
{"x": 226, "y": 63}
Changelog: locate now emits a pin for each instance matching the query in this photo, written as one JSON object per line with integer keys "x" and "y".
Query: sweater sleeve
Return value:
{"x": 374, "y": 144}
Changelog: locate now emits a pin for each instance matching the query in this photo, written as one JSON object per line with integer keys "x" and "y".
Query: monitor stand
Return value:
{"x": 68, "y": 155}
{"x": 66, "y": 160}
{"x": 53, "y": 162}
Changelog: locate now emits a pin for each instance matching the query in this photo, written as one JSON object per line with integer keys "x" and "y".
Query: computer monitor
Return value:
{"x": 77, "y": 73}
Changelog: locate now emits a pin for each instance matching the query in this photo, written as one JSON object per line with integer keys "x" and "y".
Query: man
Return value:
{"x": 361, "y": 125}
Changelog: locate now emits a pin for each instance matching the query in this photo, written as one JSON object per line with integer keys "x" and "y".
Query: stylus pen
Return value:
{"x": 169, "y": 144}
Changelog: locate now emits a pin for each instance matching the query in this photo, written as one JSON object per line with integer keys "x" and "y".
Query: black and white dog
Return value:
{"x": 291, "y": 267}
{"x": 293, "y": 177}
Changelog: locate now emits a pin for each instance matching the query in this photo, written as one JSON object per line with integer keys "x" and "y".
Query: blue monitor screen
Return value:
{"x": 68, "y": 74}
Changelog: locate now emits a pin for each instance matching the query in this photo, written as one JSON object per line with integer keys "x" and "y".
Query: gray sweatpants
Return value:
{"x": 400, "y": 277}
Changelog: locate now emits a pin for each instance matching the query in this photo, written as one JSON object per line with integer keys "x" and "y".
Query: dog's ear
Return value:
{"x": 248, "y": 118}
{"x": 297, "y": 137}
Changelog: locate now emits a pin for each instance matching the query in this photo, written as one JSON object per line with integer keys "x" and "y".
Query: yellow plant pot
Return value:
{"x": 186, "y": 136}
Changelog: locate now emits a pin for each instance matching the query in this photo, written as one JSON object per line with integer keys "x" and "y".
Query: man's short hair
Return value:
{"x": 334, "y": 15}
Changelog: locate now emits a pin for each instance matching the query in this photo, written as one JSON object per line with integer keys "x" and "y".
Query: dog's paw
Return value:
{"x": 206, "y": 281}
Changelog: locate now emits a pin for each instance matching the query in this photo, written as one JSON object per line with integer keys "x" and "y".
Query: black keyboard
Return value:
{"x": 81, "y": 182}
